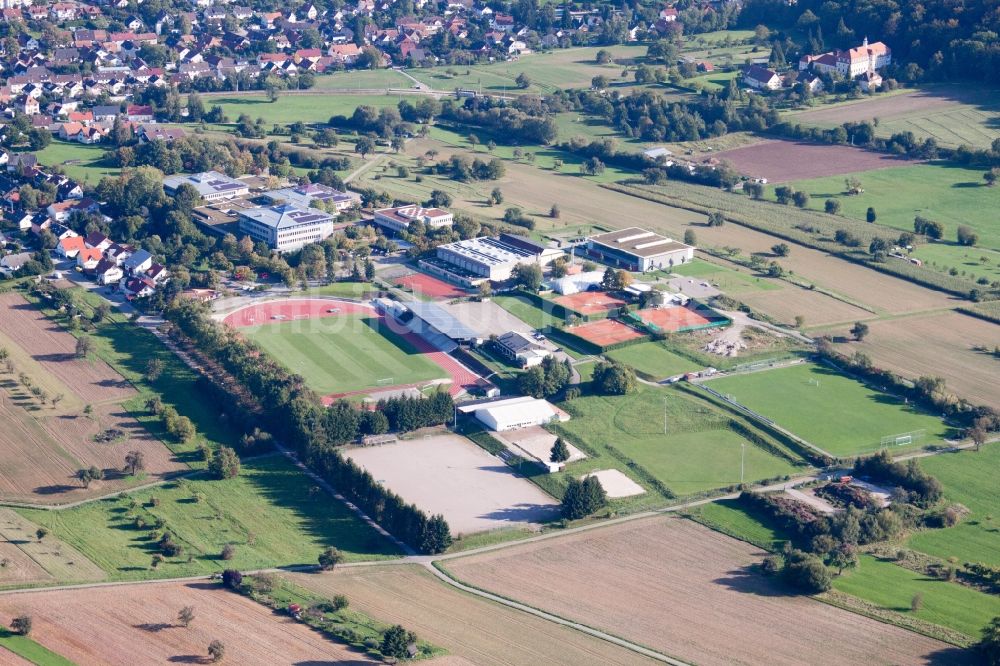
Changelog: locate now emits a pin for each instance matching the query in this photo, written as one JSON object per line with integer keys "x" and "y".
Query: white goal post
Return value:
{"x": 385, "y": 381}
{"x": 903, "y": 438}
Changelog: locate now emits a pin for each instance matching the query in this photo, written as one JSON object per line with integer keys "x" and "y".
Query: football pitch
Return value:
{"x": 344, "y": 354}
{"x": 830, "y": 410}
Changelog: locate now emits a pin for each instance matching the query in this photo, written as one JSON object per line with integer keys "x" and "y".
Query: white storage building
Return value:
{"x": 514, "y": 413}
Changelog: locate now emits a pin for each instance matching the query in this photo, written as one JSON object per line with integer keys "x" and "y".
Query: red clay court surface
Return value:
{"x": 430, "y": 286}
{"x": 590, "y": 302}
{"x": 256, "y": 315}
{"x": 674, "y": 319}
{"x": 605, "y": 332}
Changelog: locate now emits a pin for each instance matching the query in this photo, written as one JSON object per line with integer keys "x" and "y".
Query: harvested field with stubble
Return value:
{"x": 936, "y": 345}
{"x": 137, "y": 624}
{"x": 680, "y": 588}
{"x": 42, "y": 453}
{"x": 484, "y": 633}
{"x": 818, "y": 309}
{"x": 781, "y": 161}
{"x": 55, "y": 349}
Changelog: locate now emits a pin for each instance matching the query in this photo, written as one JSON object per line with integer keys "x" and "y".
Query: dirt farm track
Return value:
{"x": 626, "y": 579}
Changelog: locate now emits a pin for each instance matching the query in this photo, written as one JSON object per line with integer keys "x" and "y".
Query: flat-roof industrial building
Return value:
{"x": 513, "y": 413}
{"x": 399, "y": 218}
{"x": 211, "y": 185}
{"x": 636, "y": 249}
{"x": 469, "y": 262}
{"x": 303, "y": 196}
{"x": 285, "y": 227}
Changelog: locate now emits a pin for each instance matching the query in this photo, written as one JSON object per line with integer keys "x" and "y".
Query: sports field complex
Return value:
{"x": 345, "y": 349}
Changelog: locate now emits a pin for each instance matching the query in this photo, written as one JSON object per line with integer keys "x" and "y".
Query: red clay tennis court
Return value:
{"x": 290, "y": 310}
{"x": 590, "y": 302}
{"x": 430, "y": 286}
{"x": 605, "y": 332}
{"x": 674, "y": 318}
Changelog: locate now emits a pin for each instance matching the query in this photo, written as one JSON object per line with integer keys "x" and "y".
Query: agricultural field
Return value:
{"x": 78, "y": 420}
{"x": 781, "y": 161}
{"x": 934, "y": 345}
{"x": 448, "y": 474}
{"x": 344, "y": 354}
{"x": 799, "y": 399}
{"x": 946, "y": 193}
{"x": 19, "y": 650}
{"x": 469, "y": 627}
{"x": 969, "y": 478}
{"x": 699, "y": 451}
{"x": 945, "y": 604}
{"x": 30, "y": 560}
{"x": 951, "y": 114}
{"x": 138, "y": 624}
{"x": 270, "y": 513}
{"x": 625, "y": 579}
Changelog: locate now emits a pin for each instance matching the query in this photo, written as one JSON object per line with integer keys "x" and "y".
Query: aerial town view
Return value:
{"x": 500, "y": 332}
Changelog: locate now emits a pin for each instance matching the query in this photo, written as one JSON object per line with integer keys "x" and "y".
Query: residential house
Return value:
{"x": 108, "y": 272}
{"x": 761, "y": 78}
{"x": 70, "y": 247}
{"x": 88, "y": 257}
{"x": 139, "y": 113}
{"x": 138, "y": 262}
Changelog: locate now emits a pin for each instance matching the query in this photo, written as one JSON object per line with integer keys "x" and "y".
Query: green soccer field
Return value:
{"x": 343, "y": 354}
{"x": 832, "y": 411}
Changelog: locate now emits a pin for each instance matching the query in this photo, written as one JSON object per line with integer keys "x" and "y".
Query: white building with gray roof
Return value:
{"x": 211, "y": 185}
{"x": 285, "y": 227}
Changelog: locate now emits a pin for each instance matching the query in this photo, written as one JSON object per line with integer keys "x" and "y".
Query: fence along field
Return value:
{"x": 485, "y": 633}
{"x": 44, "y": 442}
{"x": 625, "y": 579}
{"x": 832, "y": 411}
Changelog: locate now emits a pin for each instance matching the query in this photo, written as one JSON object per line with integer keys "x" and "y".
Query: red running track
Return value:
{"x": 256, "y": 315}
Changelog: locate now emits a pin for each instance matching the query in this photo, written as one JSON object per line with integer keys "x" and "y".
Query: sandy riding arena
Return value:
{"x": 450, "y": 475}
{"x": 137, "y": 624}
{"x": 782, "y": 161}
{"x": 689, "y": 592}
{"x": 605, "y": 332}
{"x": 590, "y": 302}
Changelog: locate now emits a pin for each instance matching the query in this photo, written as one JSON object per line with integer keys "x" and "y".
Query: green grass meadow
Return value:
{"x": 969, "y": 478}
{"x": 729, "y": 280}
{"x": 86, "y": 162}
{"x": 29, "y": 650}
{"x": 269, "y": 513}
{"x": 342, "y": 354}
{"x": 308, "y": 108}
{"x": 728, "y": 517}
{"x": 698, "y": 453}
{"x": 893, "y": 587}
{"x": 839, "y": 415}
{"x": 949, "y": 194}
{"x": 653, "y": 359}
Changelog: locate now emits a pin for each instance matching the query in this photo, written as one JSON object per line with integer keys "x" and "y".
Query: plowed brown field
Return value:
{"x": 137, "y": 624}
{"x": 689, "y": 592}
{"x": 485, "y": 633}
{"x": 55, "y": 349}
{"x": 41, "y": 453}
{"x": 781, "y": 161}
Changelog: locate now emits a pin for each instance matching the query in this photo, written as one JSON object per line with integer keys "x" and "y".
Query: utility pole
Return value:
{"x": 664, "y": 416}
{"x": 743, "y": 452}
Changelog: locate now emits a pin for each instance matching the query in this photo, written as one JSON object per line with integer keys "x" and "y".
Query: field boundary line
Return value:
{"x": 442, "y": 574}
